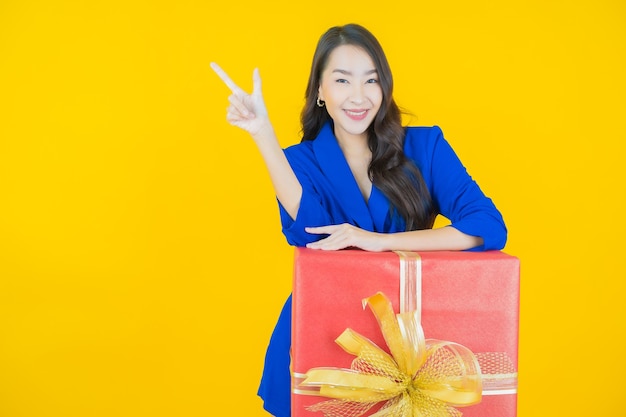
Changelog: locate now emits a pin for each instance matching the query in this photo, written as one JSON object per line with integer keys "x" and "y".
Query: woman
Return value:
{"x": 359, "y": 178}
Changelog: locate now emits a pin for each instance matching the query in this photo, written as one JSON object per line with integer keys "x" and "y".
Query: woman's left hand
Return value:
{"x": 345, "y": 235}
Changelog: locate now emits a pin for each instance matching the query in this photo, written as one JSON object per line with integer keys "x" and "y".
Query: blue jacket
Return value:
{"x": 330, "y": 194}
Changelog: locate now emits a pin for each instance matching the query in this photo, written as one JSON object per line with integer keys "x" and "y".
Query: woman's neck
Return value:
{"x": 354, "y": 146}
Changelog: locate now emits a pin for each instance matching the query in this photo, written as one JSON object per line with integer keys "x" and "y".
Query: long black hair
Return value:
{"x": 395, "y": 175}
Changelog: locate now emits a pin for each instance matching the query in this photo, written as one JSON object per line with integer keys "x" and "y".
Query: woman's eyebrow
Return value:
{"x": 346, "y": 72}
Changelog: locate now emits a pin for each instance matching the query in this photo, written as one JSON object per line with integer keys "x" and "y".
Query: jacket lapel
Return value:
{"x": 336, "y": 169}
{"x": 379, "y": 208}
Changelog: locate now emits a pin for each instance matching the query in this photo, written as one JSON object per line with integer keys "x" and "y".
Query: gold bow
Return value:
{"x": 421, "y": 378}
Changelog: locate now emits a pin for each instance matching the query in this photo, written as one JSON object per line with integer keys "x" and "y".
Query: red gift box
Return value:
{"x": 470, "y": 298}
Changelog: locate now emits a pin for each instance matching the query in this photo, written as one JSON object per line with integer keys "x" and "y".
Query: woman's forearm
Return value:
{"x": 444, "y": 238}
{"x": 286, "y": 185}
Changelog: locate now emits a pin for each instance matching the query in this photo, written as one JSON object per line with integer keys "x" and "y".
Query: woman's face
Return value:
{"x": 350, "y": 88}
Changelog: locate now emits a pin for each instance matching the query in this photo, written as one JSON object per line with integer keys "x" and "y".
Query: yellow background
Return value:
{"x": 142, "y": 265}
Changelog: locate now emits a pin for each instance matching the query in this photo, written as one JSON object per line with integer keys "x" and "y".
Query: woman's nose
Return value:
{"x": 357, "y": 94}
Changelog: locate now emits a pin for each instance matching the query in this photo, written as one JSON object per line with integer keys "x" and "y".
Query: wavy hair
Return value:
{"x": 390, "y": 170}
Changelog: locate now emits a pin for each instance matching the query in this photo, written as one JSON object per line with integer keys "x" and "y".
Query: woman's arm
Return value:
{"x": 286, "y": 185}
{"x": 458, "y": 197}
{"x": 345, "y": 235}
{"x": 248, "y": 112}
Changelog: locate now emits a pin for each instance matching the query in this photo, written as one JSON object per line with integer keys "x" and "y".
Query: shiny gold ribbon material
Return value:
{"x": 422, "y": 377}
{"x": 410, "y": 282}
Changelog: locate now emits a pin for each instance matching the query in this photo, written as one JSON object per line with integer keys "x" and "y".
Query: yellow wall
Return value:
{"x": 141, "y": 261}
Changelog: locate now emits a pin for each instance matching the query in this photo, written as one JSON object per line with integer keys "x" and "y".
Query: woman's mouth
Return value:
{"x": 357, "y": 114}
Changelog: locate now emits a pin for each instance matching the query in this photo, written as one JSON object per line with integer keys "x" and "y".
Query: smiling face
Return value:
{"x": 350, "y": 88}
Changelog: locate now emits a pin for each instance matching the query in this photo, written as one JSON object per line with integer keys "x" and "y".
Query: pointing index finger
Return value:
{"x": 256, "y": 78}
{"x": 230, "y": 83}
{"x": 321, "y": 230}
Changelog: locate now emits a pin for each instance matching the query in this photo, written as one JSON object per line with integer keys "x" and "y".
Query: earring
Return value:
{"x": 320, "y": 103}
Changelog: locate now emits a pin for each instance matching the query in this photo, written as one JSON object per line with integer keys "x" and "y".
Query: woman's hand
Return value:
{"x": 246, "y": 111}
{"x": 345, "y": 235}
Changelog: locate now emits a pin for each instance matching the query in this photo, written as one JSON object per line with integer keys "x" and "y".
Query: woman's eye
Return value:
{"x": 372, "y": 81}
{"x": 341, "y": 80}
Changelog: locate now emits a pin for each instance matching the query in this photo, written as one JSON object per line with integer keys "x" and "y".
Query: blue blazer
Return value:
{"x": 330, "y": 194}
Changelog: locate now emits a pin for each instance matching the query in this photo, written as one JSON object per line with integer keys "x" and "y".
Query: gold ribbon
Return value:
{"x": 410, "y": 282}
{"x": 420, "y": 378}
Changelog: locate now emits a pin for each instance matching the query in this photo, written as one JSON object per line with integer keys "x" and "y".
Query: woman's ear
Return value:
{"x": 319, "y": 93}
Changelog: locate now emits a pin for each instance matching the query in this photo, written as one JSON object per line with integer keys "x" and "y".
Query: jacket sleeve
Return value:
{"x": 460, "y": 199}
{"x": 311, "y": 211}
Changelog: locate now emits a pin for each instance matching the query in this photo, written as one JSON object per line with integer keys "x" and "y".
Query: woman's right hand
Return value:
{"x": 246, "y": 111}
